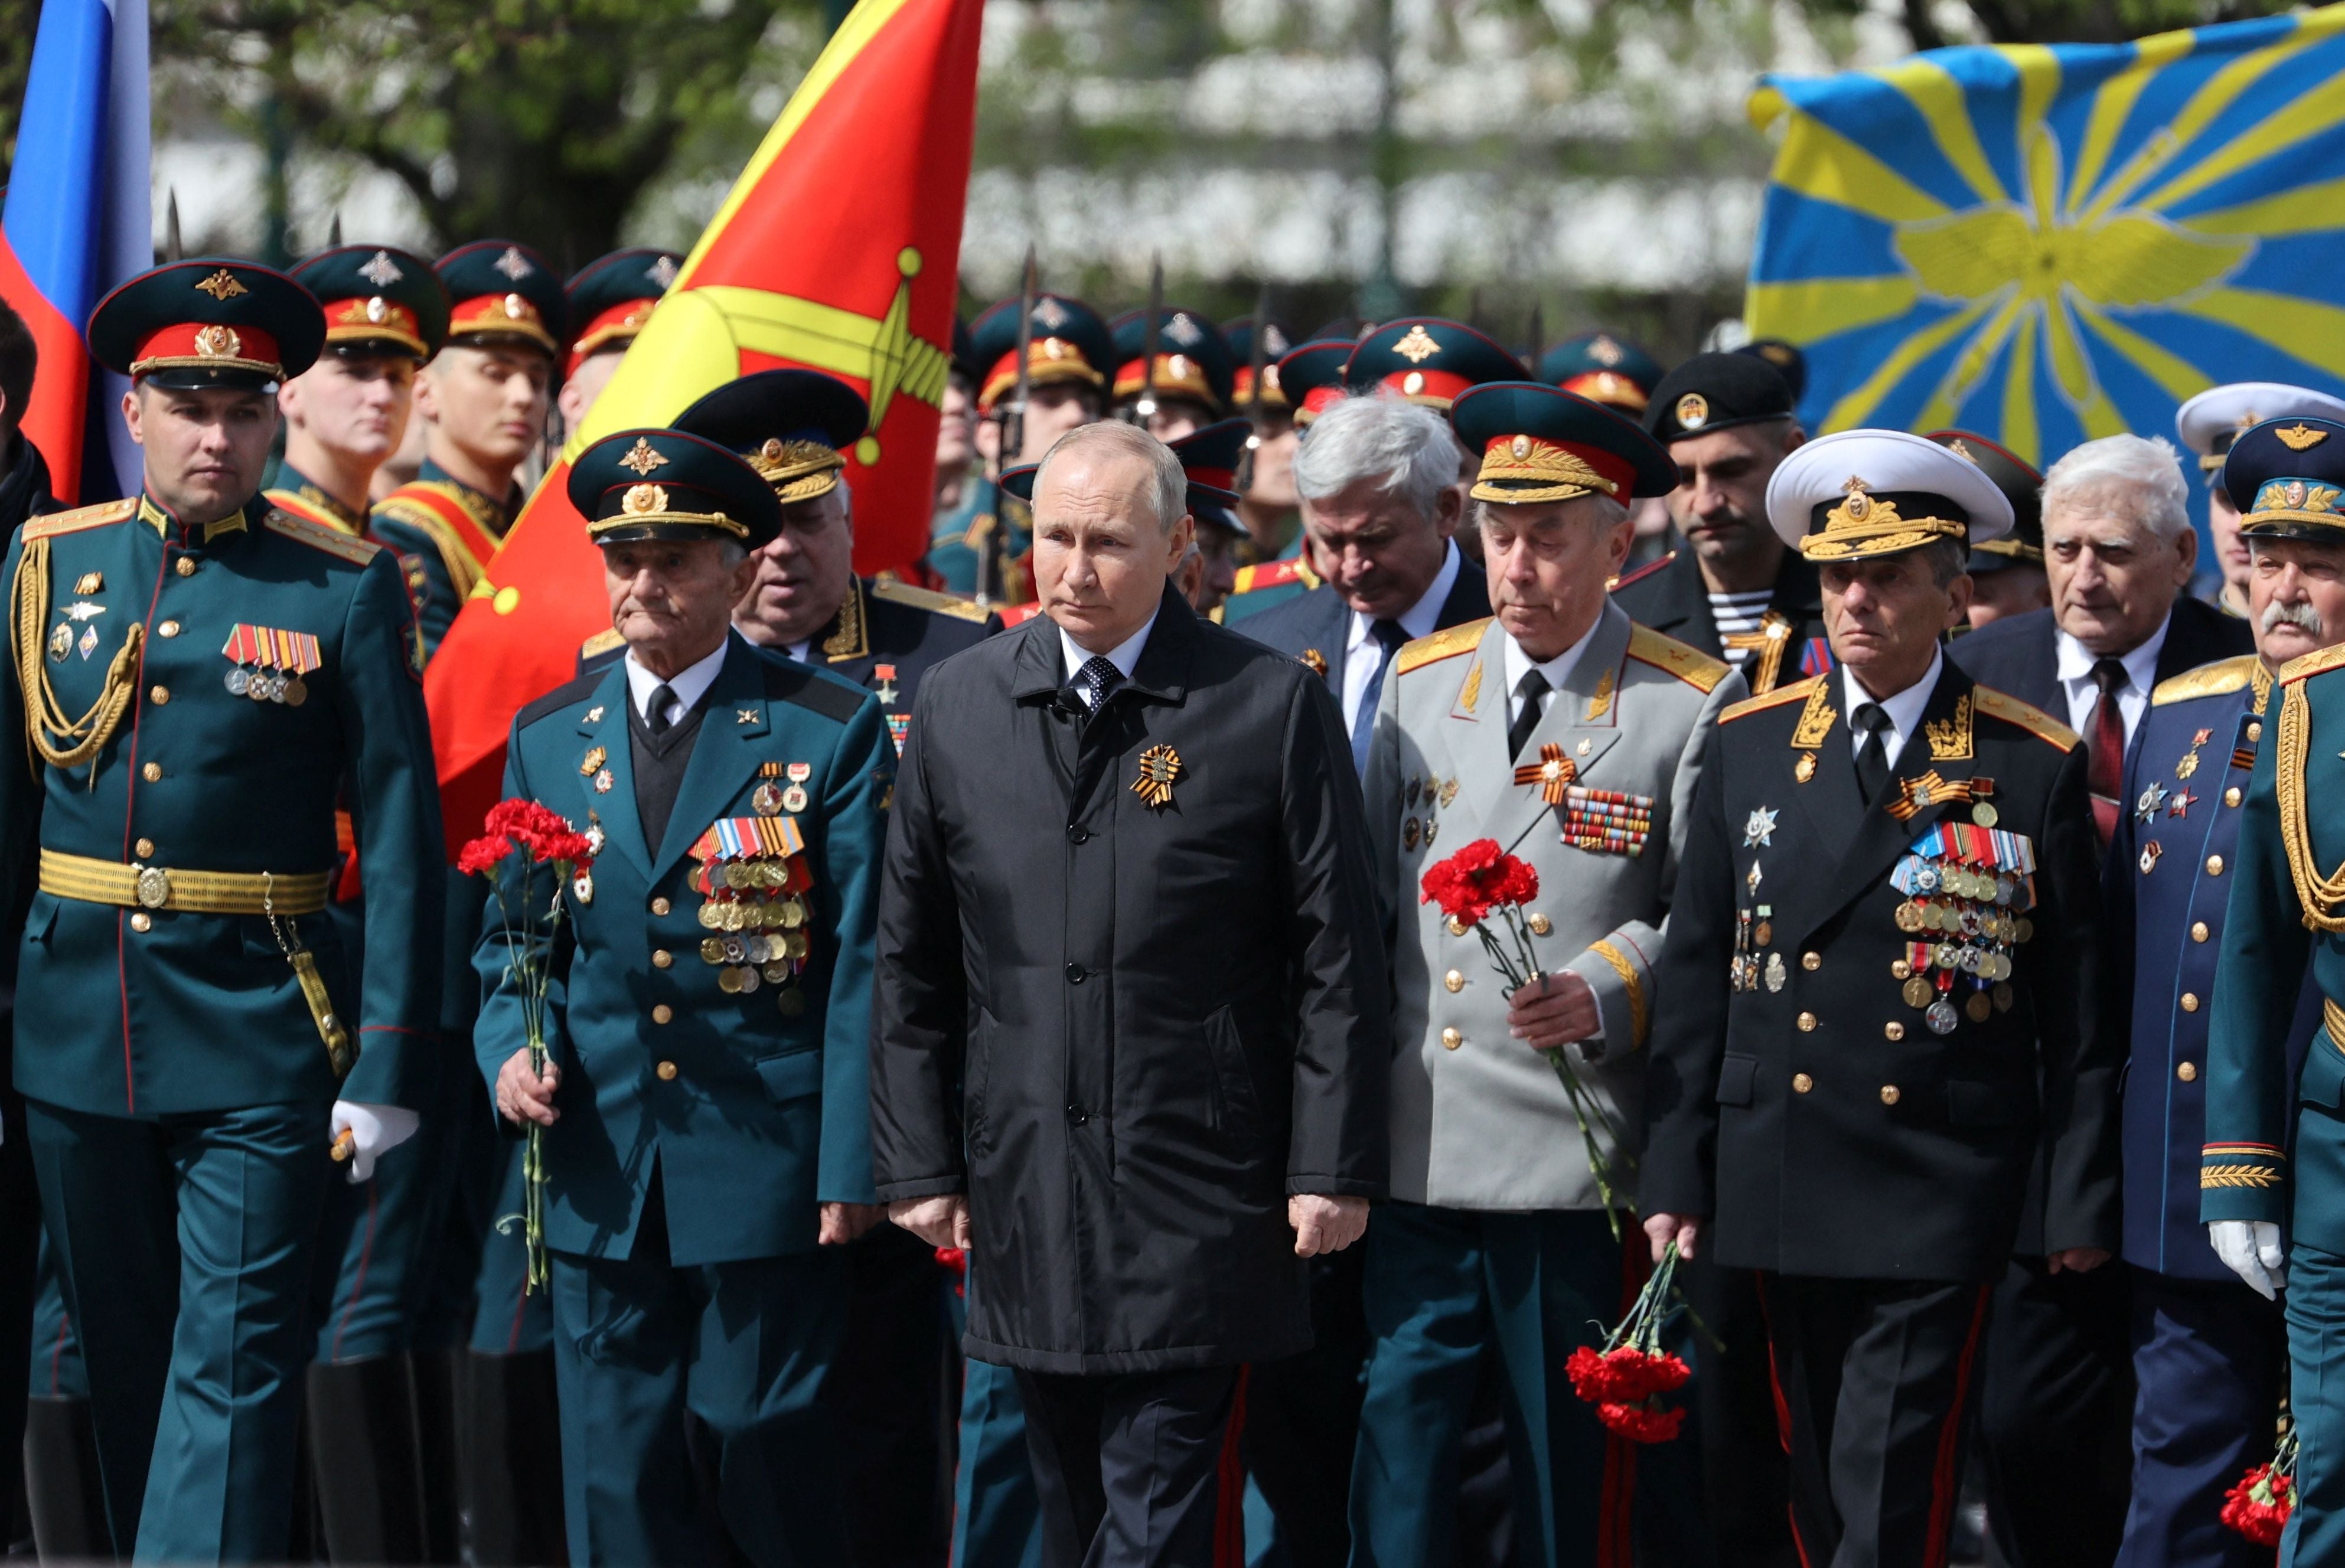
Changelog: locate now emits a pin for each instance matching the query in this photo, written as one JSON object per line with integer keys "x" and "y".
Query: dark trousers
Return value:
{"x": 1745, "y": 1489}
{"x": 2209, "y": 1361}
{"x": 185, "y": 1246}
{"x": 1127, "y": 1464}
{"x": 1302, "y": 1418}
{"x": 887, "y": 1391}
{"x": 1874, "y": 1377}
{"x": 2054, "y": 1415}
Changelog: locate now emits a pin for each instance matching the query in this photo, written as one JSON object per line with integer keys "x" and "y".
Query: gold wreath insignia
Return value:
{"x": 1160, "y": 767}
{"x": 642, "y": 457}
{"x": 223, "y": 285}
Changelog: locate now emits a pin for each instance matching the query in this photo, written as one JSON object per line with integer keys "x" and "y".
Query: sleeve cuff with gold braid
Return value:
{"x": 2241, "y": 1181}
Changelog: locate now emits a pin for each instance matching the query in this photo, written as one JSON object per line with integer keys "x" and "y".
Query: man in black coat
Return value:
{"x": 1131, "y": 1040}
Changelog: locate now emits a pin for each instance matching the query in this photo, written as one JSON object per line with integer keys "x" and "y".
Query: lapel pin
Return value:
{"x": 1159, "y": 767}
{"x": 745, "y": 715}
{"x": 1805, "y": 768}
{"x": 594, "y": 714}
{"x": 603, "y": 781}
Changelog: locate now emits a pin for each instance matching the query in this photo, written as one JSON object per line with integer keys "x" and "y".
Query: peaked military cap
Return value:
{"x": 377, "y": 300}
{"x": 1019, "y": 481}
{"x": 1068, "y": 342}
{"x": 1541, "y": 444}
{"x": 2208, "y": 423}
{"x": 1210, "y": 458}
{"x": 1603, "y": 369}
{"x": 1311, "y": 376}
{"x": 1192, "y": 360}
{"x": 1429, "y": 360}
{"x": 610, "y": 299}
{"x": 209, "y": 322}
{"x": 1716, "y": 392}
{"x": 666, "y": 484}
{"x": 1858, "y": 494}
{"x": 2288, "y": 478}
{"x": 1789, "y": 363}
{"x": 2021, "y": 485}
{"x": 1238, "y": 337}
{"x": 794, "y": 427}
{"x": 500, "y": 290}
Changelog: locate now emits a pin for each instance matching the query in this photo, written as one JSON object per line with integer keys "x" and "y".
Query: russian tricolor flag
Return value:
{"x": 78, "y": 220}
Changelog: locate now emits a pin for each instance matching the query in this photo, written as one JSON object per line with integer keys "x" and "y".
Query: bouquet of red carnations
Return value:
{"x": 2258, "y": 1503}
{"x": 1625, "y": 1378}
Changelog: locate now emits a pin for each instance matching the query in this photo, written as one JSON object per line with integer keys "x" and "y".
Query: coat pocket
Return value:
{"x": 791, "y": 1076}
{"x": 1737, "y": 1076}
{"x": 1236, "y": 1108}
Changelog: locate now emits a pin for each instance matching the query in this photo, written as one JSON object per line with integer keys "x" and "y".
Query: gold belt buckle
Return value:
{"x": 154, "y": 885}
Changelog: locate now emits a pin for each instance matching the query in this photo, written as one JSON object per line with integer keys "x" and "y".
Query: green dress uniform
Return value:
{"x": 196, "y": 698}
{"x": 2275, "y": 1150}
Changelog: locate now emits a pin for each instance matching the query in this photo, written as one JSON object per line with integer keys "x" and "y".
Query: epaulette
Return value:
{"x": 927, "y": 599}
{"x": 816, "y": 691}
{"x": 51, "y": 524}
{"x": 1691, "y": 666}
{"x": 1797, "y": 691}
{"x": 318, "y": 536}
{"x": 576, "y": 689}
{"x": 1997, "y": 705}
{"x": 602, "y": 643}
{"x": 2205, "y": 681}
{"x": 1274, "y": 574}
{"x": 1446, "y": 643}
{"x": 2312, "y": 663}
{"x": 1638, "y": 575}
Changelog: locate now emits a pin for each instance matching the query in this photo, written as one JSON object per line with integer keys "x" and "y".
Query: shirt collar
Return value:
{"x": 689, "y": 683}
{"x": 1556, "y": 670}
{"x": 1903, "y": 708}
{"x": 2077, "y": 660}
{"x": 1420, "y": 619}
{"x": 1124, "y": 655}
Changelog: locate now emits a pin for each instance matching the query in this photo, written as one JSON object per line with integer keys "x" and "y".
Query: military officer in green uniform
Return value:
{"x": 2271, "y": 1176}
{"x": 706, "y": 1121}
{"x": 195, "y": 676}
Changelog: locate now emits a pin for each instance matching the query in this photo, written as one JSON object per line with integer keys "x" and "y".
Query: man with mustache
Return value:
{"x": 2207, "y": 424}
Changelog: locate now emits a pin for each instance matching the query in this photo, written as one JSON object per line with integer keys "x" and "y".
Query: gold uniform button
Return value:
{"x": 666, "y": 1071}
{"x": 2190, "y": 1001}
{"x": 2214, "y": 865}
{"x": 659, "y": 907}
{"x": 186, "y": 567}
{"x": 2198, "y": 931}
{"x": 1890, "y": 1094}
{"x": 1456, "y": 926}
{"x": 1802, "y": 1083}
{"x": 158, "y": 695}
{"x": 141, "y": 921}
{"x": 1807, "y": 1023}
{"x": 1899, "y": 969}
{"x": 662, "y": 1013}
{"x": 1893, "y": 1030}
{"x": 1812, "y": 961}
{"x": 1540, "y": 923}
{"x": 145, "y": 846}
{"x": 1454, "y": 980}
{"x": 151, "y": 772}
{"x": 2231, "y": 796}
{"x": 169, "y": 628}
{"x": 2187, "y": 1072}
{"x": 1451, "y": 1039}
{"x": 662, "y": 957}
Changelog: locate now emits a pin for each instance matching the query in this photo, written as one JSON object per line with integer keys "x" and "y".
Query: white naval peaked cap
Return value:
{"x": 1857, "y": 493}
{"x": 2210, "y": 422}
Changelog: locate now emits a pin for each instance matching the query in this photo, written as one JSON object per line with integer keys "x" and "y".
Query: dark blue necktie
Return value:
{"x": 1388, "y": 637}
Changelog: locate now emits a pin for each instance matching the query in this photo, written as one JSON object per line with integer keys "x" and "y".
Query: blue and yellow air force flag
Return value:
{"x": 2051, "y": 244}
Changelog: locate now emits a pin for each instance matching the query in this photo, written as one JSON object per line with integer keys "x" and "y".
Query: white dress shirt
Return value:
{"x": 1556, "y": 670}
{"x": 1904, "y": 709}
{"x": 1362, "y": 654}
{"x": 688, "y": 682}
{"x": 1124, "y": 655}
{"x": 2077, "y": 663}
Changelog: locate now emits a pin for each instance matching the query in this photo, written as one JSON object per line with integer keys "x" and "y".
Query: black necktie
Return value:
{"x": 1873, "y": 752}
{"x": 1529, "y": 690}
{"x": 1099, "y": 676}
{"x": 655, "y": 718}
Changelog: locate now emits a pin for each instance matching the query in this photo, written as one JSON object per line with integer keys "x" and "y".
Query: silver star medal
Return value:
{"x": 2152, "y": 799}
{"x": 1759, "y": 832}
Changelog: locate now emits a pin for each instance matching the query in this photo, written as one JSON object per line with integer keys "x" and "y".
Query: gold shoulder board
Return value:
{"x": 1447, "y": 643}
{"x": 2313, "y": 663}
{"x": 74, "y": 522}
{"x": 927, "y": 599}
{"x": 1994, "y": 705}
{"x": 2205, "y": 681}
{"x": 603, "y": 641}
{"x": 1691, "y": 666}
{"x": 1797, "y": 691}
{"x": 318, "y": 536}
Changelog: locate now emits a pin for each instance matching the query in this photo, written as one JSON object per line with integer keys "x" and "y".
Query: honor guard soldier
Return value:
{"x": 192, "y": 1035}
{"x": 2208, "y": 1353}
{"x": 1313, "y": 378}
{"x": 1193, "y": 379}
{"x": 963, "y": 490}
{"x": 484, "y": 397}
{"x": 1603, "y": 369}
{"x": 1267, "y": 502}
{"x": 1732, "y": 590}
{"x": 1210, "y": 458}
{"x": 711, "y": 1015}
{"x": 2207, "y": 424}
{"x": 1427, "y": 360}
{"x": 1876, "y": 1003}
{"x": 2007, "y": 573}
{"x": 1562, "y": 729}
{"x": 386, "y": 315}
{"x": 605, "y": 305}
{"x": 2269, "y": 1185}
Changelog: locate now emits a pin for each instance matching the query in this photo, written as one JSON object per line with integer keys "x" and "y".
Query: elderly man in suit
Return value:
{"x": 1132, "y": 1037}
{"x": 1523, "y": 728}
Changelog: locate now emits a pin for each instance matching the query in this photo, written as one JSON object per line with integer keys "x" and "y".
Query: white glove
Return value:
{"x": 2251, "y": 1249}
{"x": 375, "y": 1131}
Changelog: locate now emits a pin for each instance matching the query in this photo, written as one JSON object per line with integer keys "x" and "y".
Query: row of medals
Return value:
{"x": 264, "y": 687}
{"x": 764, "y": 941}
{"x": 1971, "y": 914}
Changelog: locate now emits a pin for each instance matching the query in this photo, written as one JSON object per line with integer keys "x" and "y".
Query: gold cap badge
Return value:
{"x": 1693, "y": 411}
{"x": 642, "y": 457}
{"x": 222, "y": 285}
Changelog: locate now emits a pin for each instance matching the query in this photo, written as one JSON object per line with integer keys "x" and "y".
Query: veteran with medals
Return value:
{"x": 197, "y": 677}
{"x": 1563, "y": 731}
{"x": 706, "y": 1127}
{"x": 1877, "y": 1003}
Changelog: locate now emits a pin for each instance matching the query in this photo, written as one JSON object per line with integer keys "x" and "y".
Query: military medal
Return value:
{"x": 582, "y": 886}
{"x": 88, "y": 643}
{"x": 2150, "y": 800}
{"x": 2149, "y": 854}
{"x": 794, "y": 799}
{"x": 90, "y": 583}
{"x": 595, "y": 837}
{"x": 592, "y": 762}
{"x": 603, "y": 781}
{"x": 1159, "y": 767}
{"x": 1939, "y": 1018}
{"x": 1776, "y": 974}
{"x": 766, "y": 799}
{"x": 1449, "y": 792}
{"x": 1805, "y": 768}
{"x": 1553, "y": 773}
{"x": 1760, "y": 831}
{"x": 886, "y": 676}
{"x": 1408, "y": 832}
{"x": 61, "y": 641}
{"x": 2181, "y": 803}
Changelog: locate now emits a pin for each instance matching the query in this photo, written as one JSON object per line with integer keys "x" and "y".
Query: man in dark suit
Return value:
{"x": 1876, "y": 1003}
{"x": 2055, "y": 1411}
{"x": 1132, "y": 1043}
{"x": 1378, "y": 477}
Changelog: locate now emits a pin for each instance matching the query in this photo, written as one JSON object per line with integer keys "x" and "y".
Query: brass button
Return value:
{"x": 158, "y": 695}
{"x": 1888, "y": 1093}
{"x": 2255, "y": 730}
{"x": 659, "y": 905}
{"x": 186, "y": 567}
{"x": 2187, "y": 1072}
{"x": 1540, "y": 923}
{"x": 666, "y": 1071}
{"x": 1456, "y": 926}
{"x": 662, "y": 957}
{"x": 151, "y": 772}
{"x": 2214, "y": 865}
{"x": 1454, "y": 980}
{"x": 141, "y": 921}
{"x": 169, "y": 628}
{"x": 1451, "y": 1039}
{"x": 1899, "y": 969}
{"x": 1807, "y": 1023}
{"x": 1893, "y": 1030}
{"x": 1812, "y": 961}
{"x": 662, "y": 1012}
{"x": 2190, "y": 1001}
{"x": 2231, "y": 796}
{"x": 1802, "y": 1083}
{"x": 145, "y": 846}
{"x": 2198, "y": 931}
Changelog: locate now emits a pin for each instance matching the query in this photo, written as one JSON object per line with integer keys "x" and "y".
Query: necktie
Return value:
{"x": 1099, "y": 676}
{"x": 1529, "y": 690}
{"x": 1388, "y": 638}
{"x": 1873, "y": 752}
{"x": 655, "y": 718}
{"x": 2105, "y": 749}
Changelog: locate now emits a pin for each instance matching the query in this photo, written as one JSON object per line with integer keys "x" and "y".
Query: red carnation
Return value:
{"x": 546, "y": 833}
{"x": 1592, "y": 1375}
{"x": 1640, "y": 1422}
{"x": 2258, "y": 1503}
{"x": 1475, "y": 880}
{"x": 481, "y": 855}
{"x": 1639, "y": 1375}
